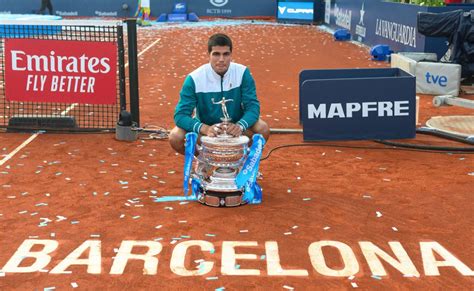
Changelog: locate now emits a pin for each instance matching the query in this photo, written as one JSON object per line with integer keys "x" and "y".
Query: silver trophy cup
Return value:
{"x": 219, "y": 161}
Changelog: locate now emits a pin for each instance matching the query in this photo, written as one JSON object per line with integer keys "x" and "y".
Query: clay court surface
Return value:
{"x": 92, "y": 187}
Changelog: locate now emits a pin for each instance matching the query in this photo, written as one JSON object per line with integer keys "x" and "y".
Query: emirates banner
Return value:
{"x": 60, "y": 71}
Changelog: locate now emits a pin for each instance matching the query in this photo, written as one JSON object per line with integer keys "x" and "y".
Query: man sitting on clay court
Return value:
{"x": 207, "y": 85}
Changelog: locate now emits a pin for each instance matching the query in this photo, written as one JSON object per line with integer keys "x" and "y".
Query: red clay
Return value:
{"x": 93, "y": 179}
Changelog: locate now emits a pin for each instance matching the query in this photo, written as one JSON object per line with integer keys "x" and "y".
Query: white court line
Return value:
{"x": 71, "y": 107}
{"x": 31, "y": 138}
{"x": 24, "y": 144}
{"x": 147, "y": 48}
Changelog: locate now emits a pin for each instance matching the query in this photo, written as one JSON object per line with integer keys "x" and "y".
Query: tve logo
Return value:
{"x": 436, "y": 79}
{"x": 296, "y": 10}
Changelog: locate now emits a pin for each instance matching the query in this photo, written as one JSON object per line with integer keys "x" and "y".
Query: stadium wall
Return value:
{"x": 375, "y": 22}
{"x": 371, "y": 22}
{"x": 116, "y": 8}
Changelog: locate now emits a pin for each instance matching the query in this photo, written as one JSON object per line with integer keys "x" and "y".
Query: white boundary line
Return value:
{"x": 147, "y": 48}
{"x": 31, "y": 138}
{"x": 24, "y": 144}
{"x": 71, "y": 107}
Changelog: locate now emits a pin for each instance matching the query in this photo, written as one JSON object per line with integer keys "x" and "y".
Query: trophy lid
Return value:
{"x": 225, "y": 140}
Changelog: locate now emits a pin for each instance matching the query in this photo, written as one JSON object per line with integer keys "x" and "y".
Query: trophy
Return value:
{"x": 219, "y": 161}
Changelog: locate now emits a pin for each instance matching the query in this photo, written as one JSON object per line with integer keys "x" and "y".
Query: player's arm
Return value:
{"x": 185, "y": 107}
{"x": 249, "y": 101}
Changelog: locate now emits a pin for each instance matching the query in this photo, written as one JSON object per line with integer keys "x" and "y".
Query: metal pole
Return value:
{"x": 133, "y": 69}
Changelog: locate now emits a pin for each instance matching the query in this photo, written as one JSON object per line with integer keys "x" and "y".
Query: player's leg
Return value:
{"x": 176, "y": 138}
{"x": 50, "y": 7}
{"x": 260, "y": 127}
{"x": 50, "y": 10}
{"x": 146, "y": 14}
{"x": 43, "y": 7}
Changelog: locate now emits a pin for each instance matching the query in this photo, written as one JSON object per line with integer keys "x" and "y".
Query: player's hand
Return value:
{"x": 232, "y": 129}
{"x": 213, "y": 130}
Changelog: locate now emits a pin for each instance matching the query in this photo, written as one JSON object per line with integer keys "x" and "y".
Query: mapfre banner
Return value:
{"x": 60, "y": 71}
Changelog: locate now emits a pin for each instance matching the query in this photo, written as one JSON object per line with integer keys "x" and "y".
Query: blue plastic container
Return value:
{"x": 342, "y": 35}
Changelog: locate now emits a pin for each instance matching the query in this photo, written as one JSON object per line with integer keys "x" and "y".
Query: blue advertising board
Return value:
{"x": 177, "y": 17}
{"x": 375, "y": 22}
{"x": 371, "y": 22}
{"x": 66, "y": 8}
{"x": 232, "y": 8}
{"x": 295, "y": 11}
{"x": 355, "y": 104}
{"x": 127, "y": 8}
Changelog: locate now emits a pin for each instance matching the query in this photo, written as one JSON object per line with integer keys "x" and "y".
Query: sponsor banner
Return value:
{"x": 218, "y": 7}
{"x": 374, "y": 22}
{"x": 180, "y": 8}
{"x": 106, "y": 13}
{"x": 343, "y": 17}
{"x": 399, "y": 28}
{"x": 355, "y": 104}
{"x": 177, "y": 17}
{"x": 190, "y": 149}
{"x": 127, "y": 8}
{"x": 327, "y": 11}
{"x": 215, "y": 8}
{"x": 66, "y": 13}
{"x": 60, "y": 71}
{"x": 234, "y": 8}
{"x": 296, "y": 10}
{"x": 110, "y": 8}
